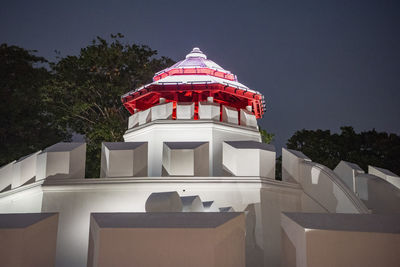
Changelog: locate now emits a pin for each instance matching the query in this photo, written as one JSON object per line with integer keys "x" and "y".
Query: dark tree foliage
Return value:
{"x": 85, "y": 90}
{"x": 265, "y": 136}
{"x": 25, "y": 124}
{"x": 366, "y": 148}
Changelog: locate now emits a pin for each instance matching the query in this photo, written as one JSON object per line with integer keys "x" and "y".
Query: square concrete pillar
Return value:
{"x": 62, "y": 160}
{"x": 185, "y": 111}
{"x": 6, "y": 176}
{"x": 24, "y": 170}
{"x": 28, "y": 239}
{"x": 162, "y": 112}
{"x": 248, "y": 119}
{"x": 123, "y": 159}
{"x": 209, "y": 111}
{"x": 249, "y": 158}
{"x": 133, "y": 120}
{"x": 185, "y": 159}
{"x": 168, "y": 239}
{"x": 230, "y": 115}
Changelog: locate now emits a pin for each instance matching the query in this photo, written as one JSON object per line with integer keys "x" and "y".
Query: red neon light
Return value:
{"x": 195, "y": 71}
{"x": 224, "y": 95}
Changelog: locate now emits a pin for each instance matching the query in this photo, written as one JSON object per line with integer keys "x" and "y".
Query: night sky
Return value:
{"x": 320, "y": 64}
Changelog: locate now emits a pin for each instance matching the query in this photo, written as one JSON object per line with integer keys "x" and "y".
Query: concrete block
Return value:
{"x": 24, "y": 170}
{"x": 347, "y": 172}
{"x": 6, "y": 176}
{"x": 385, "y": 174}
{"x": 133, "y": 120}
{"x": 164, "y": 202}
{"x": 337, "y": 239}
{"x": 28, "y": 239}
{"x": 248, "y": 119}
{"x": 144, "y": 116}
{"x": 292, "y": 165}
{"x": 170, "y": 239}
{"x": 230, "y": 115}
{"x": 209, "y": 111}
{"x": 185, "y": 159}
{"x": 124, "y": 159}
{"x": 210, "y": 206}
{"x": 185, "y": 111}
{"x": 249, "y": 158}
{"x": 62, "y": 160}
{"x": 192, "y": 204}
{"x": 162, "y": 112}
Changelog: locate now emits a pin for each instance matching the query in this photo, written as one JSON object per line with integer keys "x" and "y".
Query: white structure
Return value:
{"x": 174, "y": 160}
{"x": 385, "y": 174}
{"x": 62, "y": 160}
{"x": 185, "y": 159}
{"x": 125, "y": 159}
{"x": 249, "y": 158}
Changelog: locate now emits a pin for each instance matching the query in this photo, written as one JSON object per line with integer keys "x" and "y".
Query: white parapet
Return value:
{"x": 185, "y": 111}
{"x": 230, "y": 115}
{"x": 192, "y": 204}
{"x": 248, "y": 119}
{"x": 133, "y": 120}
{"x": 62, "y": 160}
{"x": 162, "y": 112}
{"x": 209, "y": 111}
{"x": 291, "y": 165}
{"x": 6, "y": 176}
{"x": 347, "y": 172}
{"x": 249, "y": 158}
{"x": 164, "y": 202}
{"x": 185, "y": 159}
{"x": 24, "y": 170}
{"x": 144, "y": 116}
{"x": 385, "y": 174}
{"x": 123, "y": 159}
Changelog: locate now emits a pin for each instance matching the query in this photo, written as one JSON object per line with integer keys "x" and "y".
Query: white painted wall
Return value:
{"x": 157, "y": 132}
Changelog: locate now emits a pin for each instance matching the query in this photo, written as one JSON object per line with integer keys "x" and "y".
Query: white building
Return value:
{"x": 193, "y": 145}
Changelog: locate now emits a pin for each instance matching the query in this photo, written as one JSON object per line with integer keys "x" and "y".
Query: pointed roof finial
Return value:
{"x": 196, "y": 52}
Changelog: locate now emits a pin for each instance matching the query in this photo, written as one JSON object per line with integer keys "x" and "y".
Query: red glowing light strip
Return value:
{"x": 198, "y": 71}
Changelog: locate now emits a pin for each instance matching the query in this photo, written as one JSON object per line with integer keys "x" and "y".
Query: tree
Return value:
{"x": 25, "y": 125}
{"x": 366, "y": 148}
{"x": 85, "y": 90}
{"x": 265, "y": 136}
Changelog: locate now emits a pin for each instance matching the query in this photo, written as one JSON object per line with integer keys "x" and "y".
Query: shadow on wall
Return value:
{"x": 254, "y": 254}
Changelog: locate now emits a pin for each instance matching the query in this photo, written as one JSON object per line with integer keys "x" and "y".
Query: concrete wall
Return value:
{"x": 157, "y": 132}
{"x": 320, "y": 183}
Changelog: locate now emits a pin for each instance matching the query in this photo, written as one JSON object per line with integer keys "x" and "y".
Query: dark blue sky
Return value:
{"x": 320, "y": 64}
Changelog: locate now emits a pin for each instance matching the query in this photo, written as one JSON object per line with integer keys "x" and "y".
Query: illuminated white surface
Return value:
{"x": 209, "y": 111}
{"x": 248, "y": 119}
{"x": 24, "y": 170}
{"x": 186, "y": 158}
{"x": 62, "y": 160}
{"x": 249, "y": 158}
{"x": 385, "y": 174}
{"x": 6, "y": 175}
{"x": 123, "y": 159}
{"x": 185, "y": 111}
{"x": 230, "y": 115}
{"x": 162, "y": 112}
{"x": 158, "y": 132}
